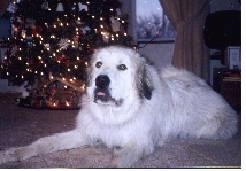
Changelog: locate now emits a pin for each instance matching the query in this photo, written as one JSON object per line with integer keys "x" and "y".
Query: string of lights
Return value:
{"x": 57, "y": 38}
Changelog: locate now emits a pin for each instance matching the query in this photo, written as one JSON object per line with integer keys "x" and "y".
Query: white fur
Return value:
{"x": 181, "y": 105}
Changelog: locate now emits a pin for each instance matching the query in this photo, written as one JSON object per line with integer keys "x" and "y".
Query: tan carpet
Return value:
{"x": 20, "y": 126}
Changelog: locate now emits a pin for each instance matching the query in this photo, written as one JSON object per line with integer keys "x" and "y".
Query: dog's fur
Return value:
{"x": 138, "y": 109}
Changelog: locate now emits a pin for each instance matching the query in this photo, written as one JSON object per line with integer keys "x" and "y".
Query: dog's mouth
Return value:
{"x": 103, "y": 96}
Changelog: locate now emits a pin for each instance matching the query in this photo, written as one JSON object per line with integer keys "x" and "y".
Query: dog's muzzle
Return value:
{"x": 101, "y": 92}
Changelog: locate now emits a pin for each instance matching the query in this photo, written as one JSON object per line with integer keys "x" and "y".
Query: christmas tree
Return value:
{"x": 53, "y": 40}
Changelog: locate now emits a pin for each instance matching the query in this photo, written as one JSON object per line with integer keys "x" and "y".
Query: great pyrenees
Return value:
{"x": 130, "y": 105}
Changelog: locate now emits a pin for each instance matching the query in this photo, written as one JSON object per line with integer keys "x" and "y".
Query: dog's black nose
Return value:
{"x": 102, "y": 81}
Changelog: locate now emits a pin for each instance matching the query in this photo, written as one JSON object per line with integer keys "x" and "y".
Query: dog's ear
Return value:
{"x": 144, "y": 83}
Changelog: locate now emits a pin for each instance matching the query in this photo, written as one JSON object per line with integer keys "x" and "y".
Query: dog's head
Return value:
{"x": 119, "y": 81}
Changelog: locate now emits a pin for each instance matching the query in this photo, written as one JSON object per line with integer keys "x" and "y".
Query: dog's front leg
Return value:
{"x": 59, "y": 141}
{"x": 129, "y": 154}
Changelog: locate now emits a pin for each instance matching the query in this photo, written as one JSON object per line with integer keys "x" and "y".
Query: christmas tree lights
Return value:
{"x": 55, "y": 38}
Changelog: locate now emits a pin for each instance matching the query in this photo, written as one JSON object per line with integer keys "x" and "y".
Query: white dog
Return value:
{"x": 130, "y": 105}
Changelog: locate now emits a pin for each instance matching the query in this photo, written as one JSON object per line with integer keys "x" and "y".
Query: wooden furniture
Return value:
{"x": 228, "y": 84}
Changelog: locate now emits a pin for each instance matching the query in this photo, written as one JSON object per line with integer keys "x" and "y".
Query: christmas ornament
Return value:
{"x": 59, "y": 7}
{"x": 63, "y": 44}
{"x": 11, "y": 8}
{"x": 116, "y": 25}
{"x": 18, "y": 19}
{"x": 118, "y": 12}
{"x": 47, "y": 46}
{"x": 23, "y": 34}
{"x": 74, "y": 7}
{"x": 57, "y": 36}
{"x": 85, "y": 29}
{"x": 82, "y": 7}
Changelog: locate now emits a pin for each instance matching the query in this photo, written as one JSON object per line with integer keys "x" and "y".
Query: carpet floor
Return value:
{"x": 21, "y": 126}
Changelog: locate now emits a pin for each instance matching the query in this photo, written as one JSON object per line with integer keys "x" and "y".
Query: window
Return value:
{"x": 152, "y": 24}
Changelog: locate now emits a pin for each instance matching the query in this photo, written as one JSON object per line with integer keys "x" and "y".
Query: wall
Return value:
{"x": 159, "y": 54}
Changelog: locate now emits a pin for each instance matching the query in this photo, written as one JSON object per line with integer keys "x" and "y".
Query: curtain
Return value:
{"x": 188, "y": 18}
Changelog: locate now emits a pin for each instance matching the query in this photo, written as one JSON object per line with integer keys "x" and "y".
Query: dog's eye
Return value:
{"x": 121, "y": 67}
{"x": 98, "y": 64}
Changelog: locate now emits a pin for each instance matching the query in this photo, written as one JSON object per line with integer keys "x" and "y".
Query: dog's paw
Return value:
{"x": 15, "y": 154}
{"x": 23, "y": 153}
{"x": 8, "y": 155}
{"x": 124, "y": 158}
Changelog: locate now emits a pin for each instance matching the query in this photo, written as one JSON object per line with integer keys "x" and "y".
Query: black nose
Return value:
{"x": 102, "y": 81}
